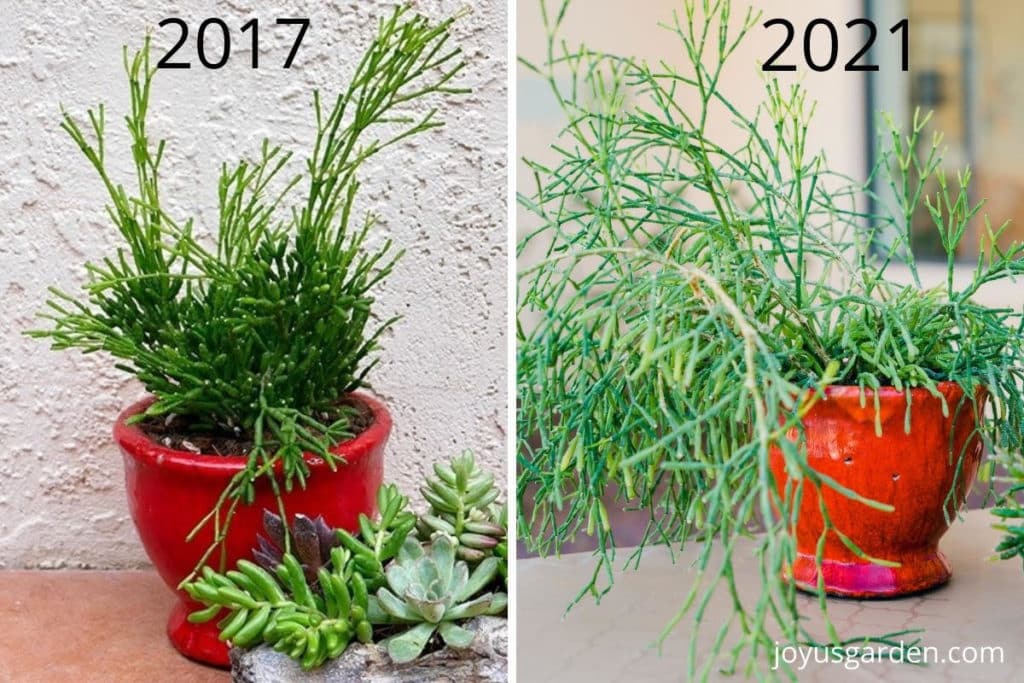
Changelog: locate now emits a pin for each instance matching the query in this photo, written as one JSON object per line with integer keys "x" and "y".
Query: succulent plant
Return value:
{"x": 460, "y": 498}
{"x": 379, "y": 540}
{"x": 429, "y": 589}
{"x": 309, "y": 623}
{"x": 309, "y": 592}
{"x": 310, "y": 540}
{"x": 500, "y": 514}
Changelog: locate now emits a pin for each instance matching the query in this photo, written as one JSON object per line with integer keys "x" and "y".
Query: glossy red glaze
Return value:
{"x": 913, "y": 472}
{"x": 170, "y": 491}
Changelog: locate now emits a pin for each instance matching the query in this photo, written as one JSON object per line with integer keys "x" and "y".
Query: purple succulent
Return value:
{"x": 311, "y": 543}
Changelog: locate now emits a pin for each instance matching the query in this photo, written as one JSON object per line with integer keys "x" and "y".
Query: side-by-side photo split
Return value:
{"x": 542, "y": 341}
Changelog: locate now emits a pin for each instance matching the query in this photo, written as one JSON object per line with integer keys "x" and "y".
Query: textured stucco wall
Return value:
{"x": 441, "y": 196}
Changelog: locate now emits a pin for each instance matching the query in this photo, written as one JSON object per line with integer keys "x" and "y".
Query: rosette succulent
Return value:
{"x": 500, "y": 513}
{"x": 309, "y": 539}
{"x": 429, "y": 589}
{"x": 461, "y": 499}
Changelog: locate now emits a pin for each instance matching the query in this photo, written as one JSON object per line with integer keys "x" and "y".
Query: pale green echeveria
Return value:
{"x": 431, "y": 590}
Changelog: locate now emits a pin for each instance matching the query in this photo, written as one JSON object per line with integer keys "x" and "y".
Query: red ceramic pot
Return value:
{"x": 170, "y": 491}
{"x": 913, "y": 472}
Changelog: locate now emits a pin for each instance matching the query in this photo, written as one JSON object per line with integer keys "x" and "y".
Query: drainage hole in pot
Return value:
{"x": 896, "y": 476}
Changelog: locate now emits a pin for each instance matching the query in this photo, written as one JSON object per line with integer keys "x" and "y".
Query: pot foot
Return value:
{"x": 860, "y": 579}
{"x": 196, "y": 641}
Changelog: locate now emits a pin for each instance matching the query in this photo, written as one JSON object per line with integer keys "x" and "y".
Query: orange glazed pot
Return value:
{"x": 170, "y": 491}
{"x": 913, "y": 472}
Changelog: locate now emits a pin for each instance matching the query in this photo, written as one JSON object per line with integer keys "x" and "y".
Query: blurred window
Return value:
{"x": 965, "y": 58}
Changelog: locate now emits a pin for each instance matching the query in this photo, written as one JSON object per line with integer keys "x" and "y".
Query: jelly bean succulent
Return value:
{"x": 314, "y": 590}
{"x": 310, "y": 624}
{"x": 262, "y": 328}
{"x": 694, "y": 275}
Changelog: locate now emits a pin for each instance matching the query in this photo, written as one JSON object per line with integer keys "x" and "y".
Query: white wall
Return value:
{"x": 442, "y": 197}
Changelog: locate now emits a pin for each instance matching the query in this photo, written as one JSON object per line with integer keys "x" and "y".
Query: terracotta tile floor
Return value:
{"x": 86, "y": 626}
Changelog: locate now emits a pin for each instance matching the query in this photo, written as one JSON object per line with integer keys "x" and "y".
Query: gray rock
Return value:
{"x": 485, "y": 660}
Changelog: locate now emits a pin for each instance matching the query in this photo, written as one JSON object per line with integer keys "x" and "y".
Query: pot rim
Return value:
{"x": 133, "y": 441}
{"x": 947, "y": 388}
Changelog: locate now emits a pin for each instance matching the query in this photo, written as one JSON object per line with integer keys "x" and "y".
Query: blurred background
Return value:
{"x": 964, "y": 60}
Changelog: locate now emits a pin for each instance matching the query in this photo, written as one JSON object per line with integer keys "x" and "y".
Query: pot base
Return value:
{"x": 861, "y": 579}
{"x": 198, "y": 642}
